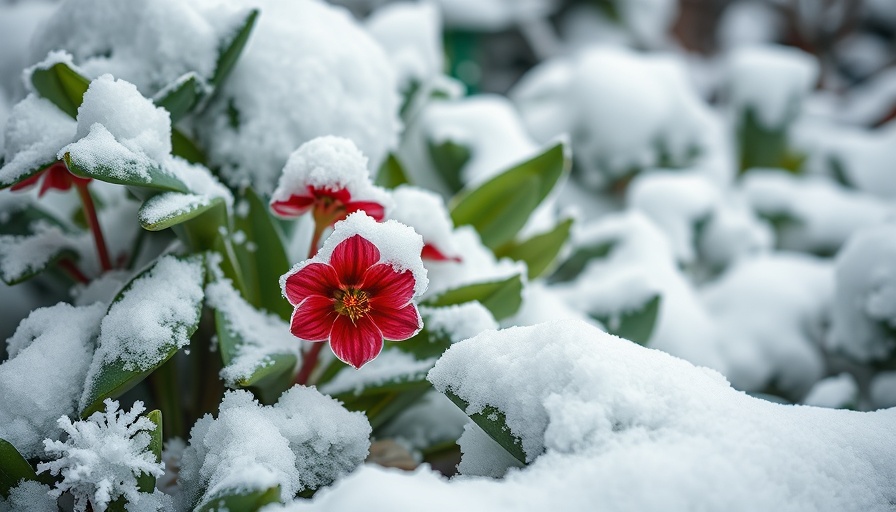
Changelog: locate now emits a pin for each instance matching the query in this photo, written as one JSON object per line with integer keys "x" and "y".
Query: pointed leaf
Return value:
{"x": 147, "y": 482}
{"x": 62, "y": 85}
{"x": 494, "y": 423}
{"x": 392, "y": 173}
{"x": 230, "y": 50}
{"x": 171, "y": 208}
{"x": 634, "y": 325}
{"x": 243, "y": 501}
{"x": 500, "y": 207}
{"x": 539, "y": 251}
{"x": 182, "y": 96}
{"x": 449, "y": 158}
{"x": 123, "y": 167}
{"x": 503, "y": 298}
{"x": 576, "y": 263}
{"x": 13, "y": 468}
{"x": 23, "y": 257}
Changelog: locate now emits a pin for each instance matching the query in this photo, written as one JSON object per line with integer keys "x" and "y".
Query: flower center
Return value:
{"x": 353, "y": 303}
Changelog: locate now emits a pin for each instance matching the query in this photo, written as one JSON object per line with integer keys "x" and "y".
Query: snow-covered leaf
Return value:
{"x": 13, "y": 468}
{"x": 123, "y": 167}
{"x": 635, "y": 324}
{"x": 448, "y": 159}
{"x": 62, "y": 85}
{"x": 23, "y": 257}
{"x": 493, "y": 422}
{"x": 578, "y": 260}
{"x": 182, "y": 96}
{"x": 500, "y": 207}
{"x": 540, "y": 251}
{"x": 392, "y": 173}
{"x": 248, "y": 501}
{"x": 503, "y": 298}
{"x": 231, "y": 50}
{"x": 150, "y": 319}
{"x": 171, "y": 208}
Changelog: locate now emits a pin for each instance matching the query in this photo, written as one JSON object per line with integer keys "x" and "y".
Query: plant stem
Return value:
{"x": 309, "y": 361}
{"x": 94, "y": 223}
{"x": 73, "y": 271}
{"x": 315, "y": 238}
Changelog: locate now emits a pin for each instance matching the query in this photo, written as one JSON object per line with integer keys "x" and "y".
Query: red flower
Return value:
{"x": 354, "y": 302}
{"x": 431, "y": 252}
{"x": 329, "y": 206}
{"x": 56, "y": 176}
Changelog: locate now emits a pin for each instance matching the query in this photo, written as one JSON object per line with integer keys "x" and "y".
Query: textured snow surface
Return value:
{"x": 56, "y": 341}
{"x": 864, "y": 315}
{"x": 23, "y": 255}
{"x": 308, "y": 70}
{"x": 304, "y": 441}
{"x": 329, "y": 163}
{"x": 399, "y": 246}
{"x": 29, "y": 496}
{"x": 35, "y": 130}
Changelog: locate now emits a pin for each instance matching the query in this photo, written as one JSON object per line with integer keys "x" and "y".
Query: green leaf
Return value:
{"x": 62, "y": 85}
{"x": 116, "y": 377}
{"x": 136, "y": 172}
{"x": 147, "y": 482}
{"x": 262, "y": 257}
{"x": 500, "y": 207}
{"x": 449, "y": 159}
{"x": 18, "y": 219}
{"x": 634, "y": 325}
{"x": 425, "y": 344}
{"x": 242, "y": 501}
{"x": 381, "y": 402}
{"x": 502, "y": 298}
{"x": 494, "y": 423}
{"x": 184, "y": 147}
{"x": 231, "y": 49}
{"x": 25, "y": 256}
{"x": 182, "y": 96}
{"x": 539, "y": 251}
{"x": 171, "y": 208}
{"x": 13, "y": 468}
{"x": 576, "y": 263}
{"x": 392, "y": 173}
{"x": 25, "y": 175}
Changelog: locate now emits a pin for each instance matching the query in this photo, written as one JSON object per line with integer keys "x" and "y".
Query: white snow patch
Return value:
{"x": 35, "y": 130}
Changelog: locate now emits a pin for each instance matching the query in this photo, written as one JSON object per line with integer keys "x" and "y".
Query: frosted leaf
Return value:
{"x": 35, "y": 130}
{"x": 56, "y": 341}
{"x": 170, "y": 204}
{"x": 198, "y": 179}
{"x": 262, "y": 333}
{"x": 304, "y": 441}
{"x": 329, "y": 163}
{"x": 389, "y": 365}
{"x": 103, "y": 456}
{"x": 399, "y": 246}
{"x": 24, "y": 255}
{"x": 308, "y": 70}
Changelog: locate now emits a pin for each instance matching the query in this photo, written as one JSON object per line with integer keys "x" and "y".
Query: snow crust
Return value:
{"x": 35, "y": 130}
{"x": 304, "y": 441}
{"x": 58, "y": 341}
{"x": 308, "y": 70}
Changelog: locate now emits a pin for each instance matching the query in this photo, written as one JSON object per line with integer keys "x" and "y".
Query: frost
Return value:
{"x": 56, "y": 341}
{"x": 304, "y": 441}
{"x": 262, "y": 333}
{"x": 103, "y": 456}
{"x": 35, "y": 130}
{"x": 29, "y": 496}
{"x": 399, "y": 246}
{"x": 329, "y": 163}
{"x": 308, "y": 70}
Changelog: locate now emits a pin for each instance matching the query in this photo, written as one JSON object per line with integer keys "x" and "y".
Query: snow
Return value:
{"x": 492, "y": 15}
{"x": 426, "y": 212}
{"x": 170, "y": 204}
{"x": 864, "y": 312}
{"x": 483, "y": 456}
{"x": 411, "y": 35}
{"x": 262, "y": 333}
{"x": 836, "y": 392}
{"x": 399, "y": 246}
{"x": 478, "y": 265}
{"x": 103, "y": 456}
{"x": 459, "y": 322}
{"x": 819, "y": 215}
{"x": 771, "y": 80}
{"x": 392, "y": 364}
{"x": 29, "y": 496}
{"x": 198, "y": 179}
{"x": 304, "y": 441}
{"x": 57, "y": 341}
{"x": 883, "y": 390}
{"x": 329, "y": 163}
{"x": 151, "y": 316}
{"x": 21, "y": 255}
{"x": 771, "y": 312}
{"x": 654, "y": 431}
{"x": 35, "y": 130}
{"x": 308, "y": 70}
{"x": 864, "y": 156}
{"x": 143, "y": 42}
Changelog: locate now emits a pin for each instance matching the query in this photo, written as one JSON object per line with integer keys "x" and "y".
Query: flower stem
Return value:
{"x": 309, "y": 361}
{"x": 315, "y": 238}
{"x": 94, "y": 223}
{"x": 73, "y": 271}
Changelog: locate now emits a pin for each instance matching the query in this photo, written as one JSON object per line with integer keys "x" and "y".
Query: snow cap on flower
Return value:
{"x": 425, "y": 212}
{"x": 328, "y": 169}
{"x": 359, "y": 289}
{"x": 103, "y": 456}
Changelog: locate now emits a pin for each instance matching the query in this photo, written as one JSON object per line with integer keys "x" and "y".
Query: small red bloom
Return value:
{"x": 56, "y": 176}
{"x": 431, "y": 252}
{"x": 354, "y": 302}
{"x": 329, "y": 206}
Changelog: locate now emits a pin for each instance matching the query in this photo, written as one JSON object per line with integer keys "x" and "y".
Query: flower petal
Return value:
{"x": 352, "y": 257}
{"x": 388, "y": 288}
{"x": 293, "y": 207}
{"x": 431, "y": 252}
{"x": 312, "y": 279}
{"x": 373, "y": 209}
{"x": 27, "y": 182}
{"x": 312, "y": 320}
{"x": 397, "y": 324}
{"x": 355, "y": 343}
{"x": 342, "y": 195}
